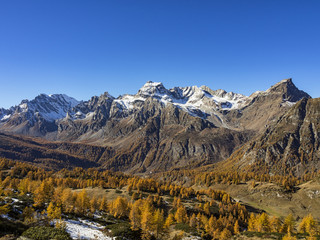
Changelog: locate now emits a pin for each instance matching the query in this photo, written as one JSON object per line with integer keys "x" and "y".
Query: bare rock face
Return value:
{"x": 263, "y": 108}
{"x": 36, "y": 117}
{"x": 291, "y": 145}
{"x": 288, "y": 90}
{"x": 157, "y": 129}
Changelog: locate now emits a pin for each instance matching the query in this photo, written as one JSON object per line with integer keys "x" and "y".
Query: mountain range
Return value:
{"x": 161, "y": 129}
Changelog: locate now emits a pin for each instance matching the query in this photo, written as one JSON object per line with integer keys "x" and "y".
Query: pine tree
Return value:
{"x": 24, "y": 186}
{"x": 206, "y": 208}
{"x": 50, "y": 211}
{"x": 211, "y": 225}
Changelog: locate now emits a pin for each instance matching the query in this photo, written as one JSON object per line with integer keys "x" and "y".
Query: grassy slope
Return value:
{"x": 275, "y": 201}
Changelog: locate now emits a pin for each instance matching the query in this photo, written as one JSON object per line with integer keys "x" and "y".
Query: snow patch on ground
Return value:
{"x": 84, "y": 229}
{"x": 6, "y": 216}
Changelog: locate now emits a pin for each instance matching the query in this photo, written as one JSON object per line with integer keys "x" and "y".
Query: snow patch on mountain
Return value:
{"x": 128, "y": 101}
{"x": 201, "y": 102}
{"x": 5, "y": 117}
{"x": 197, "y": 101}
{"x": 49, "y": 107}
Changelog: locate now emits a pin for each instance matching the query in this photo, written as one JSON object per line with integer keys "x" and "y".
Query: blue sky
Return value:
{"x": 84, "y": 48}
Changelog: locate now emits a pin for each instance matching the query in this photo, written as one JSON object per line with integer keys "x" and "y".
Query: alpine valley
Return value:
{"x": 179, "y": 164}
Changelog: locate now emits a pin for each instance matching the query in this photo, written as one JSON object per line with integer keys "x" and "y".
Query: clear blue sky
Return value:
{"x": 83, "y": 48}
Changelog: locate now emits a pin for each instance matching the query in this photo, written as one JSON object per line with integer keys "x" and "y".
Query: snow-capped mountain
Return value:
{"x": 201, "y": 102}
{"x": 197, "y": 101}
{"x": 38, "y": 114}
{"x": 49, "y": 107}
{"x": 4, "y": 114}
{"x": 156, "y": 128}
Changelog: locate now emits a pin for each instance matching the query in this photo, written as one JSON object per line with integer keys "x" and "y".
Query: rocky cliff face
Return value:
{"x": 262, "y": 108}
{"x": 37, "y": 117}
{"x": 156, "y": 129}
{"x": 291, "y": 145}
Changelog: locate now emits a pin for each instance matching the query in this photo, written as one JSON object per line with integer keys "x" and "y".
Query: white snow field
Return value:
{"x": 84, "y": 229}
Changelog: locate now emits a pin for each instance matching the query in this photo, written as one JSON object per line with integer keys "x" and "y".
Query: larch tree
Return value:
{"x": 158, "y": 223}
{"x": 225, "y": 234}
{"x": 288, "y": 224}
{"x": 119, "y": 207}
{"x": 43, "y": 193}
{"x": 147, "y": 222}
{"x": 193, "y": 221}
{"x": 263, "y": 223}
{"x": 54, "y": 212}
{"x": 67, "y": 200}
{"x": 275, "y": 224}
{"x": 252, "y": 223}
{"x": 236, "y": 228}
{"x": 82, "y": 202}
{"x": 103, "y": 204}
{"x": 181, "y": 215}
{"x": 169, "y": 220}
{"x": 135, "y": 215}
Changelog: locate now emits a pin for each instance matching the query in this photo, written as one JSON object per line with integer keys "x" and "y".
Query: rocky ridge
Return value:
{"x": 156, "y": 129}
{"x": 291, "y": 145}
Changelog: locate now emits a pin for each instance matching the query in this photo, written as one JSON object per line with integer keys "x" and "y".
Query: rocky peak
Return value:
{"x": 222, "y": 108}
{"x": 3, "y": 114}
{"x": 291, "y": 144}
{"x": 101, "y": 103}
{"x": 50, "y": 107}
{"x": 152, "y": 89}
{"x": 106, "y": 95}
{"x": 101, "y": 100}
{"x": 193, "y": 91}
{"x": 288, "y": 90}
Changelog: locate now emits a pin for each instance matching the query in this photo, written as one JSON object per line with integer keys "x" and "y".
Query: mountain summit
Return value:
{"x": 36, "y": 117}
{"x": 157, "y": 128}
{"x": 288, "y": 90}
